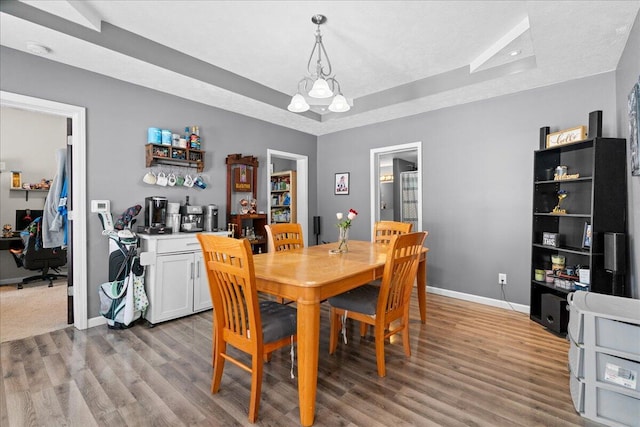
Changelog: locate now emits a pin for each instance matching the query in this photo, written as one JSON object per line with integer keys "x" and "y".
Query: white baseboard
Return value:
{"x": 97, "y": 321}
{"x": 481, "y": 300}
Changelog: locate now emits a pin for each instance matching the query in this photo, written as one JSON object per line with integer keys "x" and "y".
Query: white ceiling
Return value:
{"x": 394, "y": 58}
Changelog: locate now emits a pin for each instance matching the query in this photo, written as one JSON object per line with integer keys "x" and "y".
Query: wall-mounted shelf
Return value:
{"x": 26, "y": 191}
{"x": 176, "y": 156}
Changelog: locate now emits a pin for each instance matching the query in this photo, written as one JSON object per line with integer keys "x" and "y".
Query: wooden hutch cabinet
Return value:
{"x": 242, "y": 190}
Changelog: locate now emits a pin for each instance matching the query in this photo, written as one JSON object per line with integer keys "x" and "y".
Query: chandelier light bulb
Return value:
{"x": 298, "y": 104}
{"x": 320, "y": 89}
{"x": 339, "y": 104}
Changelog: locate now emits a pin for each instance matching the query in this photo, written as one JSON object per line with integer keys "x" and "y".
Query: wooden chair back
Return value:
{"x": 399, "y": 275}
{"x": 284, "y": 236}
{"x": 384, "y": 230}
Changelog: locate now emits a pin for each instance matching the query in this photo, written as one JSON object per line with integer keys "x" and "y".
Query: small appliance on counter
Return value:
{"x": 173, "y": 216}
{"x": 192, "y": 220}
{"x": 211, "y": 218}
{"x": 155, "y": 216}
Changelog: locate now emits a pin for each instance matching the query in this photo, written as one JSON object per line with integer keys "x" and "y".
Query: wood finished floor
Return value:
{"x": 471, "y": 365}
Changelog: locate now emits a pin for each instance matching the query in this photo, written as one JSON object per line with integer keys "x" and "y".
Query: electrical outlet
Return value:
{"x": 502, "y": 278}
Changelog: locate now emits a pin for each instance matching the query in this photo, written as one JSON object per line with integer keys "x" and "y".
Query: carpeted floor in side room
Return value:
{"x": 34, "y": 310}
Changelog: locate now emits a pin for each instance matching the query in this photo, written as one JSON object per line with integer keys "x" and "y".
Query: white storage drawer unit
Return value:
{"x": 176, "y": 280}
{"x": 604, "y": 357}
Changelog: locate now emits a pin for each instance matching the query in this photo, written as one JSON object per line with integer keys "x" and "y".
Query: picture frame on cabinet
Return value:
{"x": 586, "y": 236}
{"x": 341, "y": 183}
{"x": 634, "y": 129}
{"x": 551, "y": 239}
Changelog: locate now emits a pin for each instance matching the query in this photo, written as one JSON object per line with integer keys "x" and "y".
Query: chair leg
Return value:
{"x": 256, "y": 387}
{"x": 405, "y": 334}
{"x": 334, "y": 327}
{"x": 219, "y": 348}
{"x": 379, "y": 334}
{"x": 363, "y": 329}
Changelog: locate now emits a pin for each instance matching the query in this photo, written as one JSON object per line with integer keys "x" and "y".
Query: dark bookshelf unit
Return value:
{"x": 597, "y": 197}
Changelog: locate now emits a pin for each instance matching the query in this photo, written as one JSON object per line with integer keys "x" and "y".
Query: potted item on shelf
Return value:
{"x": 179, "y": 154}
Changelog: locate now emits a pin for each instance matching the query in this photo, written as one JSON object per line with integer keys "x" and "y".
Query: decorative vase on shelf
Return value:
{"x": 343, "y": 239}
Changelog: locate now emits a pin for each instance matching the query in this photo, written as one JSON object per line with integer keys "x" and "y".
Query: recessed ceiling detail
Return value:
{"x": 514, "y": 39}
{"x": 395, "y": 59}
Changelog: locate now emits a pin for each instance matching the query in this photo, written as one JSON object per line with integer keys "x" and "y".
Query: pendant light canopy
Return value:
{"x": 323, "y": 85}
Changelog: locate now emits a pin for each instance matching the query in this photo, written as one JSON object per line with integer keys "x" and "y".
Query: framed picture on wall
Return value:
{"x": 342, "y": 183}
{"x": 634, "y": 129}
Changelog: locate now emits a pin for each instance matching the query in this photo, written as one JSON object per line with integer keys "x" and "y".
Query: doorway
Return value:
{"x": 302, "y": 197}
{"x": 396, "y": 190}
{"x": 77, "y": 215}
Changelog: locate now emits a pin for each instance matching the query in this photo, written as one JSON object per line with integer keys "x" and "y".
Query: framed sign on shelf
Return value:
{"x": 551, "y": 239}
{"x": 341, "y": 186}
{"x": 586, "y": 236}
{"x": 567, "y": 136}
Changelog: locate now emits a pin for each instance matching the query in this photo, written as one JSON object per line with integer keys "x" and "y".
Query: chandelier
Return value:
{"x": 323, "y": 85}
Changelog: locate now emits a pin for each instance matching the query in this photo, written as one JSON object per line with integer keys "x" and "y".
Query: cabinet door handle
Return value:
{"x": 198, "y": 269}
{"x": 191, "y": 271}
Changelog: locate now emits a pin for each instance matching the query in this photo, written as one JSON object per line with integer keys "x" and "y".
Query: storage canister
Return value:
{"x": 166, "y": 136}
{"x": 154, "y": 136}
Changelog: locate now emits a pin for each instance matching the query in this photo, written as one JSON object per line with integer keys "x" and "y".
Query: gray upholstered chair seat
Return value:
{"x": 278, "y": 321}
{"x": 363, "y": 299}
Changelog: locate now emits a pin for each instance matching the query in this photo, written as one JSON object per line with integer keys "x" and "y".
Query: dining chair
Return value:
{"x": 379, "y": 306}
{"x": 239, "y": 319}
{"x": 284, "y": 236}
{"x": 383, "y": 230}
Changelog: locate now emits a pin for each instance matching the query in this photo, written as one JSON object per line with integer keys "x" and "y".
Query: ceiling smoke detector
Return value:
{"x": 38, "y": 49}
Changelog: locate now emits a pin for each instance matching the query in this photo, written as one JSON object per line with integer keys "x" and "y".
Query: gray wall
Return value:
{"x": 628, "y": 73}
{"x": 477, "y": 179}
{"x": 118, "y": 115}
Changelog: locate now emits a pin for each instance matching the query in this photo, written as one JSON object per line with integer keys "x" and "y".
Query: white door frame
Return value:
{"x": 302, "y": 186}
{"x": 374, "y": 169}
{"x": 78, "y": 188}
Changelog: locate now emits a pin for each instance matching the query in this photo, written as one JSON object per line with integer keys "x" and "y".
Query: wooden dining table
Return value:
{"x": 310, "y": 275}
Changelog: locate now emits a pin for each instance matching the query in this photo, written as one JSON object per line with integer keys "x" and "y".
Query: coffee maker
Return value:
{"x": 155, "y": 216}
{"x": 192, "y": 218}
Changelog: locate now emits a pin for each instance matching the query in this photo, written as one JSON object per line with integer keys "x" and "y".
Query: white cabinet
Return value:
{"x": 604, "y": 357}
{"x": 201, "y": 295}
{"x": 175, "y": 278}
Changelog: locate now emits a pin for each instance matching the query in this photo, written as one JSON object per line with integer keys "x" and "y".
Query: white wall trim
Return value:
{"x": 79, "y": 188}
{"x": 480, "y": 300}
{"x": 97, "y": 321}
{"x": 374, "y": 172}
{"x": 302, "y": 187}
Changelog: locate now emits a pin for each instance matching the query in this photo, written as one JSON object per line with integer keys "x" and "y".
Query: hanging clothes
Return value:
{"x": 54, "y": 217}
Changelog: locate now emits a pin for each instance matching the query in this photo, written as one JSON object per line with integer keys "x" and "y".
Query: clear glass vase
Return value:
{"x": 343, "y": 239}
